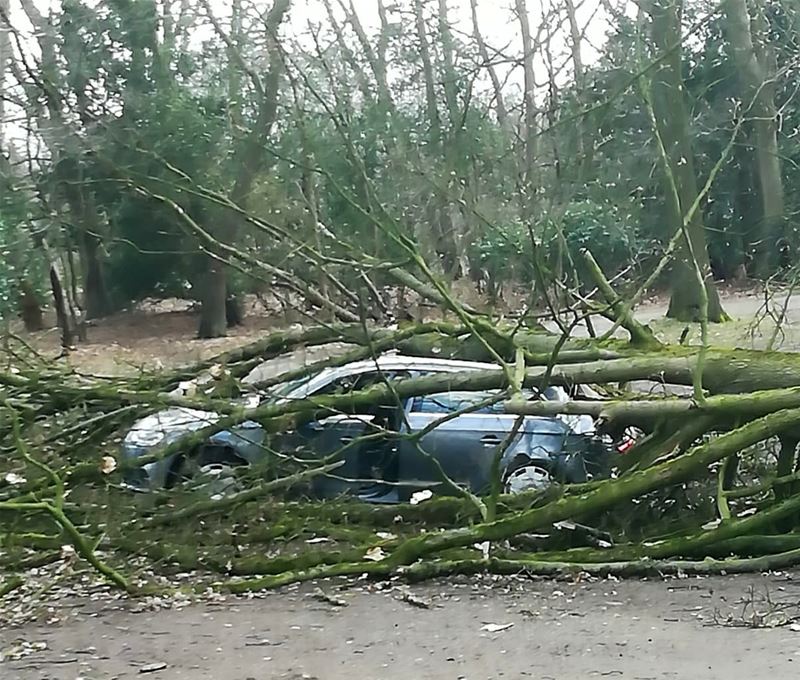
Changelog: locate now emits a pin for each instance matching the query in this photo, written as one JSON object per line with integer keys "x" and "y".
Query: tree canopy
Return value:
{"x": 208, "y": 149}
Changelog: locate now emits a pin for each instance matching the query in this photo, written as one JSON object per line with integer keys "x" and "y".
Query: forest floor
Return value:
{"x": 735, "y": 628}
{"x": 163, "y": 334}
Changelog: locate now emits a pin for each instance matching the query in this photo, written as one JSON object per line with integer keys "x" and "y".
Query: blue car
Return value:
{"x": 389, "y": 452}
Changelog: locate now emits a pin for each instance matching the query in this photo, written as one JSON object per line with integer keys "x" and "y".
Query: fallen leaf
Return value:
{"x": 108, "y": 464}
{"x": 484, "y": 548}
{"x": 14, "y": 479}
{"x": 322, "y": 596}
{"x": 413, "y": 600}
{"x": 419, "y": 496}
{"x": 375, "y": 554}
{"x": 496, "y": 627}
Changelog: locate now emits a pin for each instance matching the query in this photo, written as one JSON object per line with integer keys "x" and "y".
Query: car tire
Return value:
{"x": 527, "y": 475}
{"x": 215, "y": 474}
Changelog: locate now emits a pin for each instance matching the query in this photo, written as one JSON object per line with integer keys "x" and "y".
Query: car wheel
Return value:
{"x": 214, "y": 475}
{"x": 531, "y": 475}
{"x": 216, "y": 479}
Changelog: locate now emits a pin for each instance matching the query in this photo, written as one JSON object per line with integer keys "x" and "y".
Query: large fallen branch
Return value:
{"x": 439, "y": 568}
{"x": 753, "y": 395}
{"x": 606, "y": 495}
{"x": 637, "y": 411}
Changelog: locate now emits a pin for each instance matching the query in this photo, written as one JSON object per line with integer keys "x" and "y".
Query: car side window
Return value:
{"x": 353, "y": 383}
{"x": 387, "y": 415}
{"x": 451, "y": 402}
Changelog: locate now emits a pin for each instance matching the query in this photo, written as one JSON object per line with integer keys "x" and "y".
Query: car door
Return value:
{"x": 465, "y": 445}
{"x": 344, "y": 433}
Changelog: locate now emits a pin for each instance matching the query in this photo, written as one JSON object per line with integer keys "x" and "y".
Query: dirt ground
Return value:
{"x": 641, "y": 630}
{"x": 162, "y": 334}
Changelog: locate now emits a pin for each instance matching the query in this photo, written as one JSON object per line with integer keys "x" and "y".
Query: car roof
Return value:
{"x": 389, "y": 362}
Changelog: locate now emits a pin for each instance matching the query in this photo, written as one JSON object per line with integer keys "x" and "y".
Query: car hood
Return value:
{"x": 154, "y": 429}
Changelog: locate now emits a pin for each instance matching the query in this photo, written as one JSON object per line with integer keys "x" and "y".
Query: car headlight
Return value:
{"x": 144, "y": 438}
{"x": 152, "y": 430}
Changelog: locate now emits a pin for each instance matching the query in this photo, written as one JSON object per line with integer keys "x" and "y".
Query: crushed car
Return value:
{"x": 388, "y": 452}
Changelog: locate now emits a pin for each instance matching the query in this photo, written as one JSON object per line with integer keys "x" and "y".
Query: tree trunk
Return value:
{"x": 234, "y": 311}
{"x": 62, "y": 316}
{"x": 448, "y": 69}
{"x": 585, "y": 141}
{"x": 755, "y": 65}
{"x": 375, "y": 57}
{"x": 213, "y": 311}
{"x": 86, "y": 223}
{"x": 427, "y": 70}
{"x": 5, "y": 57}
{"x": 456, "y": 215}
{"x": 380, "y": 57}
{"x": 97, "y": 303}
{"x": 30, "y": 308}
{"x": 672, "y": 125}
{"x": 250, "y": 158}
{"x": 430, "y": 230}
{"x": 528, "y": 135}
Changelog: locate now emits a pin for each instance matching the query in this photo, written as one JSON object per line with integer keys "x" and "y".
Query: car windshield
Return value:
{"x": 285, "y": 389}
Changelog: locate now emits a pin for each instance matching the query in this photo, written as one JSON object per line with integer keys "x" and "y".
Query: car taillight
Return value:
{"x": 626, "y": 445}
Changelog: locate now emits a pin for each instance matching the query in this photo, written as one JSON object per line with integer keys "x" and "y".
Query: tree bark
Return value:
{"x": 448, "y": 68}
{"x": 347, "y": 54}
{"x": 380, "y": 57}
{"x": 60, "y": 305}
{"x": 97, "y": 302}
{"x": 754, "y": 62}
{"x": 529, "y": 127}
{"x": 456, "y": 217}
{"x": 30, "y": 308}
{"x": 431, "y": 106}
{"x": 375, "y": 57}
{"x": 213, "y": 315}
{"x": 585, "y": 141}
{"x": 672, "y": 122}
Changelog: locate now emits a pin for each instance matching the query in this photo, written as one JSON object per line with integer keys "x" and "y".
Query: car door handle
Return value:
{"x": 490, "y": 440}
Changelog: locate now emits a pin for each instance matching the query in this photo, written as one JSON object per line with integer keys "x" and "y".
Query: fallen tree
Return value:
{"x": 67, "y": 489}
